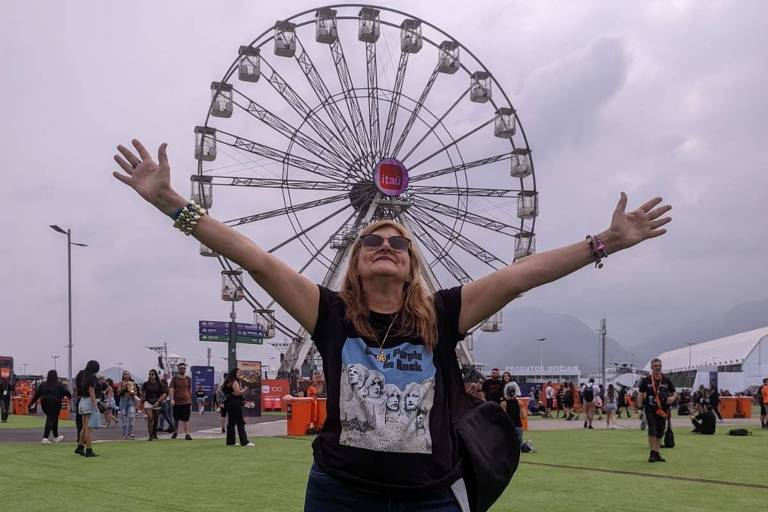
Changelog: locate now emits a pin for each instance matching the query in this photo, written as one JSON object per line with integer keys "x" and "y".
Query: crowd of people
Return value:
{"x": 160, "y": 400}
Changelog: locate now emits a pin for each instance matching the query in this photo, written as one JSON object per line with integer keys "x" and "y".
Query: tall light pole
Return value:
{"x": 70, "y": 243}
{"x": 541, "y": 354}
{"x": 55, "y": 358}
{"x": 689, "y": 353}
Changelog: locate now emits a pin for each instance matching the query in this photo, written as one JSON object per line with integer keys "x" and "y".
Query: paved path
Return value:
{"x": 683, "y": 423}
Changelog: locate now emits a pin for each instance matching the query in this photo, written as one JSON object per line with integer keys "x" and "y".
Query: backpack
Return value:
{"x": 589, "y": 393}
{"x": 739, "y": 432}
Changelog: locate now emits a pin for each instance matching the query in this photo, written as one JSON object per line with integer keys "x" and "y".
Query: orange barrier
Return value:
{"x": 321, "y": 413}
{"x": 524, "y": 416}
{"x": 20, "y": 405}
{"x": 728, "y": 406}
{"x": 744, "y": 407}
{"x": 300, "y": 412}
{"x": 64, "y": 412}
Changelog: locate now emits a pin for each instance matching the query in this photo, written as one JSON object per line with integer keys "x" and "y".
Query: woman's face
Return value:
{"x": 152, "y": 376}
{"x": 126, "y": 376}
{"x": 506, "y": 377}
{"x": 383, "y": 261}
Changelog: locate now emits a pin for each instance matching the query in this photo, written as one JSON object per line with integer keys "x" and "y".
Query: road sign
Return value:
{"x": 214, "y": 331}
{"x": 250, "y": 333}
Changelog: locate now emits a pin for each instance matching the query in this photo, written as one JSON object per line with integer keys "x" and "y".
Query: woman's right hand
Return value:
{"x": 150, "y": 180}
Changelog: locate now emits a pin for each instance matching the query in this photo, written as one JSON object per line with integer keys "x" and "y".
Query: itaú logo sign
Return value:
{"x": 266, "y": 389}
{"x": 391, "y": 177}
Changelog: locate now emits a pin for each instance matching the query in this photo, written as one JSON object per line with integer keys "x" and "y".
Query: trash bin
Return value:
{"x": 20, "y": 406}
{"x": 728, "y": 406}
{"x": 64, "y": 412}
{"x": 321, "y": 413}
{"x": 524, "y": 405}
{"x": 744, "y": 407}
{"x": 299, "y": 415}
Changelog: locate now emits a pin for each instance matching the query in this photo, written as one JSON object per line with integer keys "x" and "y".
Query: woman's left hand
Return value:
{"x": 631, "y": 228}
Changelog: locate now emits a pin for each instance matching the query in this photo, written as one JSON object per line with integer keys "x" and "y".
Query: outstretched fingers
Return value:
{"x": 124, "y": 165}
{"x": 143, "y": 153}
{"x": 658, "y": 212}
{"x": 658, "y": 223}
{"x": 128, "y": 154}
{"x": 122, "y": 177}
{"x": 622, "y": 204}
{"x": 162, "y": 155}
{"x": 648, "y": 206}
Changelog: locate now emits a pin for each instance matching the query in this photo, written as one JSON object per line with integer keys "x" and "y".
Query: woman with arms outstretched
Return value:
{"x": 384, "y": 329}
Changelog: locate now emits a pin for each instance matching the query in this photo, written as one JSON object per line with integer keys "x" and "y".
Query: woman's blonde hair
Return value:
{"x": 418, "y": 311}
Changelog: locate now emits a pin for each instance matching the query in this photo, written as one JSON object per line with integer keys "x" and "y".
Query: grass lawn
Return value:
{"x": 31, "y": 422}
{"x": 272, "y": 476}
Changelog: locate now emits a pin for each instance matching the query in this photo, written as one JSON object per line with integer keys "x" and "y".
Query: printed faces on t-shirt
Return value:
{"x": 385, "y": 406}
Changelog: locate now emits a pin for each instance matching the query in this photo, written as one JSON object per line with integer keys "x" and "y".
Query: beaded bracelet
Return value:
{"x": 597, "y": 247}
{"x": 187, "y": 218}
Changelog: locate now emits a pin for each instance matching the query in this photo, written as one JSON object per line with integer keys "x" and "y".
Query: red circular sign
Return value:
{"x": 391, "y": 177}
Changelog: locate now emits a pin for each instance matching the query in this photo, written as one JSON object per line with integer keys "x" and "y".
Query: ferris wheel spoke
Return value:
{"x": 278, "y": 83}
{"x": 245, "y": 181}
{"x": 310, "y": 228}
{"x": 348, "y": 89}
{"x": 373, "y": 98}
{"x": 394, "y": 105}
{"x": 276, "y": 155}
{"x": 286, "y": 210}
{"x": 324, "y": 95}
{"x": 453, "y": 143}
{"x": 473, "y": 218}
{"x": 415, "y": 112}
{"x": 461, "y": 240}
{"x": 437, "y": 123}
{"x": 471, "y": 192}
{"x": 291, "y": 133}
{"x": 317, "y": 252}
{"x": 461, "y": 167}
{"x": 433, "y": 246}
{"x": 255, "y": 304}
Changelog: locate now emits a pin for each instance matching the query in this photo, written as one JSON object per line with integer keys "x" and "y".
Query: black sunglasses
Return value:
{"x": 397, "y": 243}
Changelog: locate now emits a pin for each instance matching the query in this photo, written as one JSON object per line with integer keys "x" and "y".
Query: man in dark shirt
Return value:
{"x": 493, "y": 388}
{"x": 656, "y": 394}
{"x": 704, "y": 422}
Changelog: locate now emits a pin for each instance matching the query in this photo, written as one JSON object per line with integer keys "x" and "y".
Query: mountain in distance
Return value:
{"x": 743, "y": 317}
{"x": 569, "y": 342}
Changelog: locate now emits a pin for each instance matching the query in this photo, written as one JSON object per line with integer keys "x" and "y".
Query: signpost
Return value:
{"x": 231, "y": 333}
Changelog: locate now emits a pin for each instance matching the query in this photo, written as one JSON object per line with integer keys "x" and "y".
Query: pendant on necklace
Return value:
{"x": 381, "y": 357}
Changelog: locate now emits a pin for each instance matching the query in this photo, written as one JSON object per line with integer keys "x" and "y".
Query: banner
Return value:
{"x": 274, "y": 388}
{"x": 203, "y": 376}
{"x": 250, "y": 378}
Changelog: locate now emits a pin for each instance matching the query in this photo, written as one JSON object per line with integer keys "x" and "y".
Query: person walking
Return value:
{"x": 234, "y": 399}
{"x": 180, "y": 392}
{"x": 200, "y": 396}
{"x": 762, "y": 396}
{"x": 153, "y": 392}
{"x": 611, "y": 406}
{"x": 493, "y": 388}
{"x": 549, "y": 397}
{"x": 127, "y": 393}
{"x": 384, "y": 329}
{"x": 51, "y": 394}
{"x": 714, "y": 403}
{"x": 566, "y": 392}
{"x": 5, "y": 399}
{"x": 88, "y": 391}
{"x": 588, "y": 394}
{"x": 109, "y": 402}
{"x": 511, "y": 406}
{"x": 165, "y": 413}
{"x": 656, "y": 395}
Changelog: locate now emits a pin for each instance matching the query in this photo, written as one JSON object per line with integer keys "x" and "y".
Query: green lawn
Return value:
{"x": 31, "y": 422}
{"x": 133, "y": 475}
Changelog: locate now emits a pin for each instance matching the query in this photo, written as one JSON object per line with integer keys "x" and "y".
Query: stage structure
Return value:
{"x": 338, "y": 116}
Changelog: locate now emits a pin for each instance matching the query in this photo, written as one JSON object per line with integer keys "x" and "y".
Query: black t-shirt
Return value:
{"x": 84, "y": 382}
{"x": 153, "y": 391}
{"x": 707, "y": 419}
{"x": 513, "y": 411}
{"x": 665, "y": 387}
{"x": 388, "y": 428}
{"x": 200, "y": 393}
{"x": 493, "y": 389}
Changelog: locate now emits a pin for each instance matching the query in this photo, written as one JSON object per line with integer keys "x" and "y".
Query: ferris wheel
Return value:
{"x": 342, "y": 115}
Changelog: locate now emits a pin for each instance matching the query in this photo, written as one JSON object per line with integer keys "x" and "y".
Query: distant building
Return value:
{"x": 527, "y": 377}
{"x": 733, "y": 363}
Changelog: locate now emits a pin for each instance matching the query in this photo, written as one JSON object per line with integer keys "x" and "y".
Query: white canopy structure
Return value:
{"x": 739, "y": 360}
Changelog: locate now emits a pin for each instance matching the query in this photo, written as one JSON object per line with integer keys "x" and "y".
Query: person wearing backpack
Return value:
{"x": 588, "y": 394}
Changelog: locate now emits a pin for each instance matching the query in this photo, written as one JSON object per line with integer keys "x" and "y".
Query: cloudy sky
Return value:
{"x": 652, "y": 98}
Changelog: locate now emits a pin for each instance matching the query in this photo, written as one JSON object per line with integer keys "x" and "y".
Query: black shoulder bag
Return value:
{"x": 488, "y": 444}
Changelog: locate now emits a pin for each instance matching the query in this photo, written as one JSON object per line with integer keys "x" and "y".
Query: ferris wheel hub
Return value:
{"x": 391, "y": 177}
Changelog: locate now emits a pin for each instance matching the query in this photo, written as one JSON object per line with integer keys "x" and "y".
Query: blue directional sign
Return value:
{"x": 250, "y": 333}
{"x": 214, "y": 331}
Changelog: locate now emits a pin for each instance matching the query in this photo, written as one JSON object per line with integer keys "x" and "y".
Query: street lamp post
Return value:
{"x": 55, "y": 358}
{"x": 689, "y": 353}
{"x": 541, "y": 354}
{"x": 70, "y": 243}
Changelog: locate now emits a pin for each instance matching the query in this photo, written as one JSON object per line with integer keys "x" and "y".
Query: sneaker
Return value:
{"x": 530, "y": 445}
{"x": 45, "y": 440}
{"x": 131, "y": 436}
{"x": 89, "y": 453}
{"x": 652, "y": 457}
{"x": 58, "y": 439}
{"x": 591, "y": 427}
{"x": 174, "y": 435}
{"x": 80, "y": 450}
{"x": 659, "y": 458}
{"x": 187, "y": 437}
{"x": 249, "y": 444}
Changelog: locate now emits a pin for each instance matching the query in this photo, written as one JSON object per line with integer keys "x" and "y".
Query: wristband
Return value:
{"x": 187, "y": 219}
{"x": 597, "y": 247}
